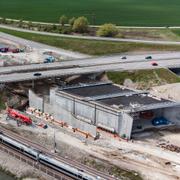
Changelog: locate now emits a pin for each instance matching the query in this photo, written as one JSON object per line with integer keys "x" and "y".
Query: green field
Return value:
{"x": 121, "y": 12}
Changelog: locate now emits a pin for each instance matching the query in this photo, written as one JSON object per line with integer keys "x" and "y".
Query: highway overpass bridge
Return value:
{"x": 22, "y": 74}
{"x": 104, "y": 60}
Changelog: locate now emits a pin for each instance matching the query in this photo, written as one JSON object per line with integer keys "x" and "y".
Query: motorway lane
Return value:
{"x": 93, "y": 37}
{"x": 90, "y": 62}
{"x": 18, "y": 77}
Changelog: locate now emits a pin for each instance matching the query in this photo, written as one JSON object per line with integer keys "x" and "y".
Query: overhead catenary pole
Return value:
{"x": 54, "y": 138}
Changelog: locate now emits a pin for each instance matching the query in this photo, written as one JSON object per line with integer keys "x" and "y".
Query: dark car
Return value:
{"x": 37, "y": 74}
{"x": 4, "y": 50}
{"x": 15, "y": 51}
{"x": 124, "y": 57}
{"x": 154, "y": 63}
{"x": 148, "y": 57}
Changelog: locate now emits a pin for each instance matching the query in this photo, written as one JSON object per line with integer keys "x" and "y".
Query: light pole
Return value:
{"x": 54, "y": 141}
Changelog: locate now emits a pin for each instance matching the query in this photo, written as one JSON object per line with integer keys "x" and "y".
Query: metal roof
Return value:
{"x": 118, "y": 97}
{"x": 96, "y": 90}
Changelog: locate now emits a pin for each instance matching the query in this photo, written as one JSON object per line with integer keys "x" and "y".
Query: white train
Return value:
{"x": 46, "y": 160}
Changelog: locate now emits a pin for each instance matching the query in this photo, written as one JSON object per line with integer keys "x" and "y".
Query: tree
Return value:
{"x": 20, "y": 23}
{"x": 63, "y": 20}
{"x": 71, "y": 21}
{"x": 107, "y": 30}
{"x": 29, "y": 24}
{"x": 4, "y": 21}
{"x": 80, "y": 25}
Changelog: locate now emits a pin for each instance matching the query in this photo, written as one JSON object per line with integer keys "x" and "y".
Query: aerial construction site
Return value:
{"x": 62, "y": 117}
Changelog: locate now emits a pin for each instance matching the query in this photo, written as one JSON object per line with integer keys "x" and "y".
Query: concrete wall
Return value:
{"x": 48, "y": 108}
{"x": 63, "y": 110}
{"x": 36, "y": 101}
{"x": 158, "y": 112}
{"x": 69, "y": 109}
{"x": 107, "y": 118}
{"x": 85, "y": 110}
{"x": 126, "y": 126}
{"x": 83, "y": 115}
{"x": 172, "y": 114}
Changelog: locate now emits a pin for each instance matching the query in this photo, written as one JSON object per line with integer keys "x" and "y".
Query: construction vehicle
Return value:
{"x": 18, "y": 116}
{"x": 49, "y": 59}
{"x": 42, "y": 125}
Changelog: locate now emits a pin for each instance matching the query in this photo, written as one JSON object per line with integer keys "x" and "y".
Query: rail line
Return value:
{"x": 57, "y": 175}
{"x": 67, "y": 161}
{"x": 44, "y": 169}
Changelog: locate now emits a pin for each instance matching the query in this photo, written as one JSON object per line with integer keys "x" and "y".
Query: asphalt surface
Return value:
{"x": 18, "y": 77}
{"x": 40, "y": 46}
{"x": 94, "y": 38}
{"x": 104, "y": 60}
{"x": 84, "y": 64}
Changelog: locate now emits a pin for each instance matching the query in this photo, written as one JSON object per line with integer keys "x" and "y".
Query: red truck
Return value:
{"x": 18, "y": 116}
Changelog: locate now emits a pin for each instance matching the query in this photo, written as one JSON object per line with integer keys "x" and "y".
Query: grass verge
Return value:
{"x": 91, "y": 47}
{"x": 145, "y": 79}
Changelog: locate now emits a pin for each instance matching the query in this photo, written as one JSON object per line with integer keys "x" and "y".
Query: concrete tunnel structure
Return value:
{"x": 110, "y": 107}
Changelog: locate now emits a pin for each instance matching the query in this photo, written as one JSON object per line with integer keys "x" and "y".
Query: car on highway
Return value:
{"x": 15, "y": 50}
{"x": 4, "y": 50}
{"x": 148, "y": 57}
{"x": 37, "y": 74}
{"x": 124, "y": 57}
{"x": 154, "y": 63}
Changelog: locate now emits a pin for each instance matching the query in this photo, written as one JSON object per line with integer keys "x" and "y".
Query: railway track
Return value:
{"x": 44, "y": 169}
{"x": 57, "y": 175}
{"x": 67, "y": 161}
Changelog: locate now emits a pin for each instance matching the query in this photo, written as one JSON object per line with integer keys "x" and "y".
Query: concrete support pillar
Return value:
{"x": 32, "y": 84}
{"x": 74, "y": 106}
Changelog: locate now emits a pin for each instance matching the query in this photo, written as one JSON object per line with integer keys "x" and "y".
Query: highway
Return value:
{"x": 82, "y": 64}
{"x": 27, "y": 76}
{"x": 94, "y": 37}
{"x": 104, "y": 60}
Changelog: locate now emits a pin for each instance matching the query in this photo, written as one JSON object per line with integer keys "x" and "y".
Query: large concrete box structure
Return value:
{"x": 105, "y": 105}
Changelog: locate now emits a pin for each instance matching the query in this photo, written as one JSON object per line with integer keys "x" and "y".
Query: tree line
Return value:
{"x": 66, "y": 26}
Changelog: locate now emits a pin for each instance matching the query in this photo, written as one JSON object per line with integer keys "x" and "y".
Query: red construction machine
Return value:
{"x": 18, "y": 116}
